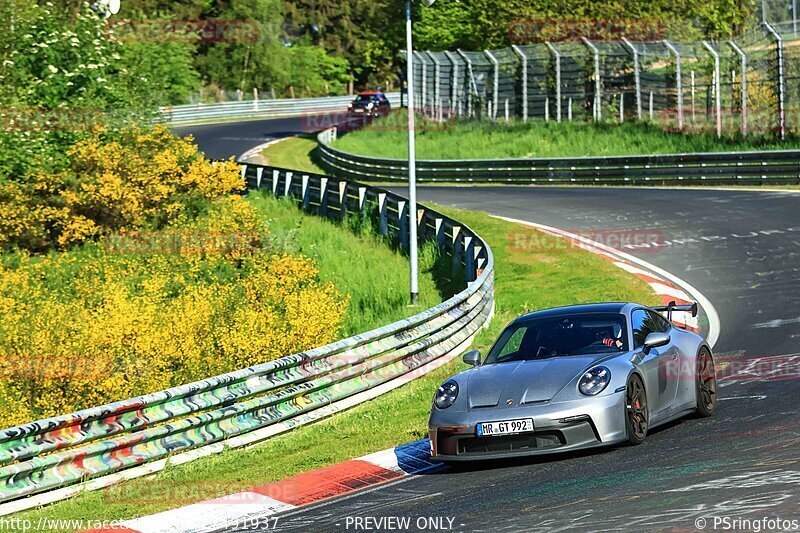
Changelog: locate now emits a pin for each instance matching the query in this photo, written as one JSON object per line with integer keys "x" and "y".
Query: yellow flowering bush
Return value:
{"x": 129, "y": 179}
{"x": 140, "y": 311}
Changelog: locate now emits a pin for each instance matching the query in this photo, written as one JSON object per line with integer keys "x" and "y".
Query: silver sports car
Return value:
{"x": 573, "y": 377}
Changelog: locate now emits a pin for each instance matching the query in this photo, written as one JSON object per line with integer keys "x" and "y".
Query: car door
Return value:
{"x": 661, "y": 379}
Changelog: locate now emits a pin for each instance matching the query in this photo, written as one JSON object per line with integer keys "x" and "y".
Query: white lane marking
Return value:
{"x": 778, "y": 322}
{"x": 711, "y": 312}
{"x": 773, "y": 367}
{"x": 666, "y": 290}
{"x": 633, "y": 269}
{"x": 210, "y": 516}
{"x": 756, "y": 397}
{"x": 245, "y": 157}
{"x": 385, "y": 459}
{"x": 748, "y": 480}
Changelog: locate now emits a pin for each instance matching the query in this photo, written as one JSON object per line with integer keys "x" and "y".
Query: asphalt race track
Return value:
{"x": 221, "y": 141}
{"x": 741, "y": 249}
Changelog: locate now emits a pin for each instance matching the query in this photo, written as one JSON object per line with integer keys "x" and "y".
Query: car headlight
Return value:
{"x": 370, "y": 105}
{"x": 594, "y": 381}
{"x": 446, "y": 394}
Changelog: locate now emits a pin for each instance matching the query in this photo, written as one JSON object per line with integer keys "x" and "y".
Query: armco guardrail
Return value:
{"x": 65, "y": 450}
{"x": 246, "y": 109}
{"x": 697, "y": 168}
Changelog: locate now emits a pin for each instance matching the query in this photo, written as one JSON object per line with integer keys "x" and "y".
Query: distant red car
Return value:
{"x": 370, "y": 104}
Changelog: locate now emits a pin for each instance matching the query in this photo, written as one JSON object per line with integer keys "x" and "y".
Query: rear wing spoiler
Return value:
{"x": 672, "y": 306}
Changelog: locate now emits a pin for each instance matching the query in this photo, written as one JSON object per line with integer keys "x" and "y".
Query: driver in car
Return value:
{"x": 611, "y": 337}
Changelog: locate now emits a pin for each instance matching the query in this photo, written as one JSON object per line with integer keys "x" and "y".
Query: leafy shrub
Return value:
{"x": 126, "y": 316}
{"x": 132, "y": 179}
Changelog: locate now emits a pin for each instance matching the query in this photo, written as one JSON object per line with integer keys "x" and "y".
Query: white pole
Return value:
{"x": 412, "y": 171}
{"x": 558, "y": 79}
{"x": 678, "y": 81}
{"x": 743, "y": 58}
{"x": 524, "y": 58}
{"x": 717, "y": 96}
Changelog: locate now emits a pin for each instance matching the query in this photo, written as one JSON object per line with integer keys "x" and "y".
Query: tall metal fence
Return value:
{"x": 52, "y": 459}
{"x": 749, "y": 85}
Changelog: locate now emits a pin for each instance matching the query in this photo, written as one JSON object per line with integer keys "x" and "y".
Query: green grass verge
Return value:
{"x": 524, "y": 281}
{"x": 356, "y": 260}
{"x": 487, "y": 140}
{"x": 294, "y": 153}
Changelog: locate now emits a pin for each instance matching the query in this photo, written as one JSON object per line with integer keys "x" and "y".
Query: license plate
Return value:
{"x": 505, "y": 427}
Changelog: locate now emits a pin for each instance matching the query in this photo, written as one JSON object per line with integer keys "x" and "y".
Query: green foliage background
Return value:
{"x": 318, "y": 46}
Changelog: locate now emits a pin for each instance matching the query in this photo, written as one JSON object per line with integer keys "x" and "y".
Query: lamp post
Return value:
{"x": 412, "y": 163}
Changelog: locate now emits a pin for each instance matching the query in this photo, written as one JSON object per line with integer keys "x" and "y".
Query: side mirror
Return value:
{"x": 654, "y": 340}
{"x": 472, "y": 358}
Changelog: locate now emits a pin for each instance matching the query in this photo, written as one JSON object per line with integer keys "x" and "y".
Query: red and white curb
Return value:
{"x": 256, "y": 505}
{"x": 667, "y": 286}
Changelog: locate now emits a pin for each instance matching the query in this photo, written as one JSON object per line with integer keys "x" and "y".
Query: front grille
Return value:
{"x": 505, "y": 443}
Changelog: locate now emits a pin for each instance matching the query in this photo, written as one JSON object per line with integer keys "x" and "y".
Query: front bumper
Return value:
{"x": 558, "y": 427}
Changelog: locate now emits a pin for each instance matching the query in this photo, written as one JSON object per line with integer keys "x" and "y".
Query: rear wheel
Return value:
{"x": 706, "y": 384}
{"x": 636, "y": 416}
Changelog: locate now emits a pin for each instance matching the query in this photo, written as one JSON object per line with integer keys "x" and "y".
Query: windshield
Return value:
{"x": 565, "y": 335}
{"x": 365, "y": 99}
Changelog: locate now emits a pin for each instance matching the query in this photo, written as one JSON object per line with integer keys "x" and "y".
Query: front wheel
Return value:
{"x": 637, "y": 417}
{"x": 705, "y": 384}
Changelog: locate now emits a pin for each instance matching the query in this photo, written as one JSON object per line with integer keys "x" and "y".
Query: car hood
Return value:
{"x": 524, "y": 382}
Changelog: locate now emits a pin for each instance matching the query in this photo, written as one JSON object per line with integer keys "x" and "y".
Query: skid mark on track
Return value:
{"x": 771, "y": 368}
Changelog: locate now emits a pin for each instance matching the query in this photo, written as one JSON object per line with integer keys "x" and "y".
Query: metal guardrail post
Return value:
{"x": 678, "y": 80}
{"x": 781, "y": 80}
{"x": 743, "y": 58}
{"x": 457, "y": 250}
{"x": 597, "y": 111}
{"x": 305, "y": 192}
{"x": 259, "y": 173}
{"x": 557, "y": 57}
{"x": 402, "y": 222}
{"x": 275, "y": 177}
{"x": 342, "y": 200}
{"x": 287, "y": 185}
{"x": 438, "y": 229}
{"x": 323, "y": 197}
{"x": 717, "y": 85}
{"x": 524, "y": 59}
{"x": 496, "y": 82}
{"x": 637, "y": 77}
{"x": 362, "y": 199}
{"x": 469, "y": 258}
{"x": 383, "y": 219}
